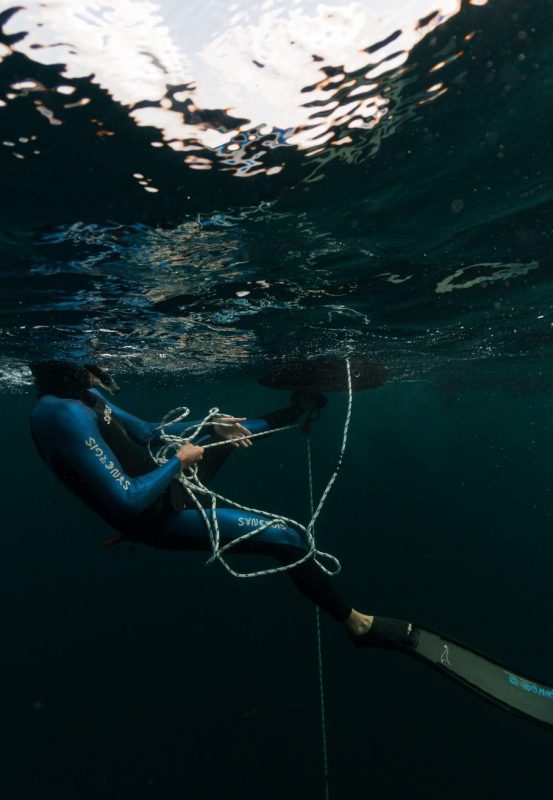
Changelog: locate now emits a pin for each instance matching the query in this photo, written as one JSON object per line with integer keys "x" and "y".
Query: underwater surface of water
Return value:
{"x": 192, "y": 193}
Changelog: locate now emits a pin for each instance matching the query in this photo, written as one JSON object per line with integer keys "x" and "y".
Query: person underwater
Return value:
{"x": 100, "y": 453}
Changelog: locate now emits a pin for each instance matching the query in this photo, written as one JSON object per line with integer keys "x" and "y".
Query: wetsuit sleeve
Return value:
{"x": 142, "y": 431}
{"x": 82, "y": 447}
{"x": 185, "y": 428}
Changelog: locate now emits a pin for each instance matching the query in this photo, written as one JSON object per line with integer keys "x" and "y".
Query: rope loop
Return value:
{"x": 170, "y": 443}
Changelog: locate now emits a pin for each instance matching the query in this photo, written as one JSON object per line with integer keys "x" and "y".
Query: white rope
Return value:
{"x": 170, "y": 443}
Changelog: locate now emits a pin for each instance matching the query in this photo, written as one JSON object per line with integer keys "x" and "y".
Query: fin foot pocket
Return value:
{"x": 388, "y": 633}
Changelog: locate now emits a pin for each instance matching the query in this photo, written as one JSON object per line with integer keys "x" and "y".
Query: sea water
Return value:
{"x": 189, "y": 219}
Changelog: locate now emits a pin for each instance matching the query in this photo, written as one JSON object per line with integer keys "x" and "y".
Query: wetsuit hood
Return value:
{"x": 67, "y": 379}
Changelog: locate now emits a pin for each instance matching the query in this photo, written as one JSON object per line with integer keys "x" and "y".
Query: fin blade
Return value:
{"x": 525, "y": 696}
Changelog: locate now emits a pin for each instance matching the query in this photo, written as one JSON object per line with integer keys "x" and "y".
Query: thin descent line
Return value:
{"x": 319, "y": 646}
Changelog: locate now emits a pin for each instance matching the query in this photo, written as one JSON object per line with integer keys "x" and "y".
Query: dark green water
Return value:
{"x": 371, "y": 181}
{"x": 148, "y": 675}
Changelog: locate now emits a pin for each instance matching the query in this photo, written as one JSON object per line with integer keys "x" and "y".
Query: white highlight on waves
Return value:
{"x": 135, "y": 48}
{"x": 490, "y": 271}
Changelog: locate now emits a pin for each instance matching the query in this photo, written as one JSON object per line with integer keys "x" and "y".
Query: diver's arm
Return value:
{"x": 183, "y": 429}
{"x": 140, "y": 430}
{"x": 143, "y": 432}
{"x": 82, "y": 447}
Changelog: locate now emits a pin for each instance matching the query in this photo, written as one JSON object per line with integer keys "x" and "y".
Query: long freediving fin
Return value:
{"x": 525, "y": 696}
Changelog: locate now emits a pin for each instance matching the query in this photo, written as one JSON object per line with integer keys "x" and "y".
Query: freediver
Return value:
{"x": 100, "y": 453}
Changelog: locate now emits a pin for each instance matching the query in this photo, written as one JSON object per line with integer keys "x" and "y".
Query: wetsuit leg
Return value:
{"x": 186, "y": 530}
{"x": 309, "y": 579}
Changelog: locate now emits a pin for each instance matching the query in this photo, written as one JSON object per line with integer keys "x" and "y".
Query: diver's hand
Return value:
{"x": 188, "y": 454}
{"x": 232, "y": 429}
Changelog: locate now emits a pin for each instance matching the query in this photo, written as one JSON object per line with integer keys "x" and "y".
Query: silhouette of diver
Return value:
{"x": 100, "y": 453}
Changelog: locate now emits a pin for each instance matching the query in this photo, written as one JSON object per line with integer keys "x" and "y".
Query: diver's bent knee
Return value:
{"x": 290, "y": 537}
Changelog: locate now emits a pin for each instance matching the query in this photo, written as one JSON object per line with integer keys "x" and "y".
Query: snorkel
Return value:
{"x": 102, "y": 380}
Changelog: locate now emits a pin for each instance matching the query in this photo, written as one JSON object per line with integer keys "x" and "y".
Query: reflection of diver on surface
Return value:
{"x": 100, "y": 452}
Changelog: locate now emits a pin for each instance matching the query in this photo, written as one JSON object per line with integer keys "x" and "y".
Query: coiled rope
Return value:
{"x": 169, "y": 444}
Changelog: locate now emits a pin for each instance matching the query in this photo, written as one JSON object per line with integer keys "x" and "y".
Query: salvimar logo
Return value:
{"x": 528, "y": 686}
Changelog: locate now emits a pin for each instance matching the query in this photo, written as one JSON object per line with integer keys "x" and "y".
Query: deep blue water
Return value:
{"x": 190, "y": 196}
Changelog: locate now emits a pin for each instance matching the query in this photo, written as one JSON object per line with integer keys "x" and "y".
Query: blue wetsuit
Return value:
{"x": 100, "y": 453}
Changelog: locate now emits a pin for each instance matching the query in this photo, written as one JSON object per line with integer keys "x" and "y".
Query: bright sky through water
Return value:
{"x": 252, "y": 60}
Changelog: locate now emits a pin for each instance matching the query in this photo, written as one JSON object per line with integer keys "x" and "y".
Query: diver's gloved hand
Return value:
{"x": 308, "y": 401}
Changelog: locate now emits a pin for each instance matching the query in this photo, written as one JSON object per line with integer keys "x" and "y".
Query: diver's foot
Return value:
{"x": 369, "y": 631}
{"x": 357, "y": 623}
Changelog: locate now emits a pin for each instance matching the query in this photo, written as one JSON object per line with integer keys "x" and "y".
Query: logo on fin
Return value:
{"x": 444, "y": 658}
{"x": 529, "y": 686}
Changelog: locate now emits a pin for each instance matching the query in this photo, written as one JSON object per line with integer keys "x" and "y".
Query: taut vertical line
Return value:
{"x": 319, "y": 646}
